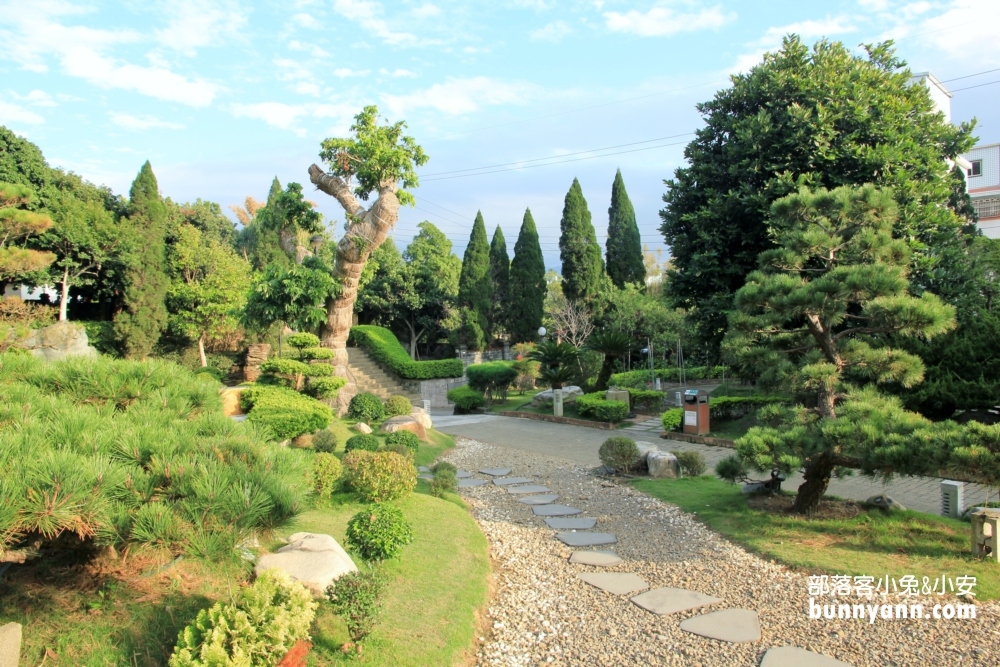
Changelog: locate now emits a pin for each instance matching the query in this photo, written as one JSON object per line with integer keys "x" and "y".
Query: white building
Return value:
{"x": 983, "y": 177}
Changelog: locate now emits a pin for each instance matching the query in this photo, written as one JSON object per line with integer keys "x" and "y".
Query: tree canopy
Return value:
{"x": 582, "y": 264}
{"x": 475, "y": 283}
{"x": 500, "y": 278}
{"x": 624, "y": 246}
{"x": 526, "y": 305}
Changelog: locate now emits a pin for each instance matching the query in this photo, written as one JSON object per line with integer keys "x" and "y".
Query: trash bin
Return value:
{"x": 696, "y": 412}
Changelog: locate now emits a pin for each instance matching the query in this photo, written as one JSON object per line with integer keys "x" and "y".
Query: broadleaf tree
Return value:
{"x": 18, "y": 225}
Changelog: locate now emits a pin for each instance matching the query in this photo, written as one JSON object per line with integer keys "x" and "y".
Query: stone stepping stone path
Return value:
{"x": 617, "y": 583}
{"x": 538, "y": 500}
{"x": 463, "y": 474}
{"x": 555, "y": 510}
{"x": 466, "y": 483}
{"x": 571, "y": 524}
{"x": 793, "y": 656}
{"x": 586, "y": 539}
{"x": 736, "y": 626}
{"x": 598, "y": 558}
{"x": 426, "y": 476}
{"x": 507, "y": 481}
{"x": 423, "y": 469}
{"x": 528, "y": 488}
{"x": 496, "y": 472}
{"x": 664, "y": 601}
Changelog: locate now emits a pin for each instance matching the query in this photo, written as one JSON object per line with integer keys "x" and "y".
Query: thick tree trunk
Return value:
{"x": 366, "y": 231}
{"x": 818, "y": 471}
{"x": 64, "y": 296}
{"x": 201, "y": 350}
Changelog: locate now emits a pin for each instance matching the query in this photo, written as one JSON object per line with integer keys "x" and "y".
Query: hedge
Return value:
{"x": 596, "y": 406}
{"x": 382, "y": 346}
{"x": 492, "y": 378}
{"x": 466, "y": 399}
{"x": 723, "y": 407}
{"x": 639, "y": 379}
{"x": 285, "y": 412}
{"x": 647, "y": 401}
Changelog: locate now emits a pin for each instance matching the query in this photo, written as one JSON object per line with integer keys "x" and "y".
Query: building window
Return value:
{"x": 987, "y": 207}
{"x": 977, "y": 168}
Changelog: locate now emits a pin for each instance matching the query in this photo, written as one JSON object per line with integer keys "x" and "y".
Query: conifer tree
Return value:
{"x": 526, "y": 300}
{"x": 500, "y": 272}
{"x": 139, "y": 324}
{"x": 625, "y": 261}
{"x": 475, "y": 283}
{"x": 582, "y": 264}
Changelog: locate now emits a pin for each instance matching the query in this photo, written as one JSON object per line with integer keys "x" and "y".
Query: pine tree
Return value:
{"x": 582, "y": 264}
{"x": 526, "y": 300}
{"x": 475, "y": 283}
{"x": 139, "y": 324}
{"x": 625, "y": 261}
{"x": 500, "y": 272}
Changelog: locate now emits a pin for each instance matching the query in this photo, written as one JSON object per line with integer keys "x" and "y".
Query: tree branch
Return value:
{"x": 336, "y": 188}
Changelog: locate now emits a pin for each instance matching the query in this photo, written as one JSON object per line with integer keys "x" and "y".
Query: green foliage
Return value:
{"x": 356, "y": 597}
{"x": 444, "y": 481}
{"x": 315, "y": 353}
{"x": 613, "y": 345}
{"x": 646, "y": 401}
{"x": 407, "y": 439}
{"x": 326, "y": 472}
{"x": 500, "y": 276}
{"x": 733, "y": 469}
{"x": 366, "y": 407}
{"x": 300, "y": 341}
{"x": 397, "y": 405}
{"x": 672, "y": 419}
{"x": 625, "y": 261}
{"x": 364, "y": 441}
{"x": 734, "y": 407}
{"x": 375, "y": 155}
{"x": 619, "y": 453}
{"x": 792, "y": 121}
{"x": 639, "y": 379}
{"x": 582, "y": 264}
{"x": 295, "y": 295}
{"x": 264, "y": 621}
{"x": 382, "y": 346}
{"x": 596, "y": 406}
{"x": 324, "y": 388}
{"x": 526, "y": 301}
{"x": 380, "y": 477}
{"x": 492, "y": 378}
{"x": 557, "y": 362}
{"x": 324, "y": 441}
{"x": 466, "y": 399}
{"x": 468, "y": 331}
{"x": 475, "y": 284}
{"x": 692, "y": 463}
{"x": 379, "y": 532}
{"x": 287, "y": 372}
{"x": 286, "y": 413}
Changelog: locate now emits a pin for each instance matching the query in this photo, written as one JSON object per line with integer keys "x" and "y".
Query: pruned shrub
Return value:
{"x": 284, "y": 372}
{"x": 366, "y": 407}
{"x": 646, "y": 401}
{"x": 443, "y": 465}
{"x": 364, "y": 441}
{"x": 379, "y": 477}
{"x": 672, "y": 418}
{"x": 324, "y": 388}
{"x": 732, "y": 469}
{"x": 692, "y": 463}
{"x": 356, "y": 597}
{"x": 316, "y": 353}
{"x": 597, "y": 407}
{"x": 492, "y": 379}
{"x": 378, "y": 532}
{"x": 301, "y": 341}
{"x": 285, "y": 412}
{"x": 466, "y": 399}
{"x": 383, "y": 346}
{"x": 326, "y": 473}
{"x": 619, "y": 453}
{"x": 324, "y": 442}
{"x": 404, "y": 438}
{"x": 264, "y": 621}
{"x": 445, "y": 481}
{"x": 402, "y": 450}
{"x": 397, "y": 405}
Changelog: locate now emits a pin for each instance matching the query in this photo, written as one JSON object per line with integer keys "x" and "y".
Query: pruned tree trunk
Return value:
{"x": 64, "y": 295}
{"x": 818, "y": 471}
{"x": 201, "y": 350}
{"x": 367, "y": 230}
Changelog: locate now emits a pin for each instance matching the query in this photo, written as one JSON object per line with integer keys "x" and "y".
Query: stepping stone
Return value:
{"x": 601, "y": 558}
{"x": 527, "y": 488}
{"x": 586, "y": 539}
{"x": 466, "y": 483}
{"x": 463, "y": 474}
{"x": 672, "y": 600}
{"x": 544, "y": 499}
{"x": 618, "y": 583}
{"x": 423, "y": 469}
{"x": 571, "y": 524}
{"x": 793, "y": 656}
{"x": 554, "y": 510}
{"x": 507, "y": 481}
{"x": 736, "y": 626}
{"x": 495, "y": 472}
{"x": 426, "y": 476}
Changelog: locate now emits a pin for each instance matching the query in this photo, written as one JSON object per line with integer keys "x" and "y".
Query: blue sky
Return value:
{"x": 221, "y": 95}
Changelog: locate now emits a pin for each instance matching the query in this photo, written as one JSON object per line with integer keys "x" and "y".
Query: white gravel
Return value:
{"x": 543, "y": 614}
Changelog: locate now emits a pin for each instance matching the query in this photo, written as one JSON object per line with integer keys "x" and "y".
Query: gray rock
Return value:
{"x": 644, "y": 448}
{"x": 466, "y": 483}
{"x": 423, "y": 469}
{"x": 599, "y": 558}
{"x": 507, "y": 481}
{"x": 10, "y": 644}
{"x": 543, "y": 398}
{"x": 495, "y": 472}
{"x": 571, "y": 524}
{"x": 362, "y": 427}
{"x": 753, "y": 487}
{"x": 554, "y": 510}
{"x": 463, "y": 474}
{"x": 618, "y": 583}
{"x": 527, "y": 488}
{"x": 59, "y": 341}
{"x": 663, "y": 465}
{"x": 425, "y": 475}
{"x": 793, "y": 656}
{"x": 672, "y": 600}
{"x": 585, "y": 539}
{"x": 884, "y": 502}
{"x": 544, "y": 499}
{"x": 313, "y": 559}
{"x": 736, "y": 626}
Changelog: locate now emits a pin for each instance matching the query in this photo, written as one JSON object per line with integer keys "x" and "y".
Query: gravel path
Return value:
{"x": 543, "y": 614}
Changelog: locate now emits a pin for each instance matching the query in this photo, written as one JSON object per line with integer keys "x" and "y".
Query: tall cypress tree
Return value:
{"x": 625, "y": 263}
{"x": 582, "y": 264}
{"x": 475, "y": 283}
{"x": 500, "y": 272}
{"x": 526, "y": 300}
{"x": 139, "y": 324}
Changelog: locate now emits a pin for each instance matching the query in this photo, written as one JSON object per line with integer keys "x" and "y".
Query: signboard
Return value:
{"x": 690, "y": 418}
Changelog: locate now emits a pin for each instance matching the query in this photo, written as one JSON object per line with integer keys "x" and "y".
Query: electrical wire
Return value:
{"x": 958, "y": 90}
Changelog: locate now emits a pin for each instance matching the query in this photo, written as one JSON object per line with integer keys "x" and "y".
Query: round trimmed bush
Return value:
{"x": 364, "y": 442}
{"x": 397, "y": 405}
{"x": 619, "y": 453}
{"x": 378, "y": 532}
{"x": 366, "y": 407}
{"x": 324, "y": 388}
{"x": 380, "y": 477}
{"x": 402, "y": 450}
{"x": 692, "y": 463}
{"x": 466, "y": 399}
{"x": 311, "y": 353}
{"x": 326, "y": 473}
{"x": 443, "y": 465}
{"x": 300, "y": 341}
{"x": 324, "y": 442}
{"x": 404, "y": 438}
{"x": 444, "y": 481}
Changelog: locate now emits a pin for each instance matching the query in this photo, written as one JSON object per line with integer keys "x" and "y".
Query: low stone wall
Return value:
{"x": 607, "y": 426}
{"x": 471, "y": 358}
{"x": 435, "y": 391}
{"x": 697, "y": 439}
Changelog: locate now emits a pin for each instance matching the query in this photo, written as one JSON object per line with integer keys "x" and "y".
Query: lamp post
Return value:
{"x": 541, "y": 333}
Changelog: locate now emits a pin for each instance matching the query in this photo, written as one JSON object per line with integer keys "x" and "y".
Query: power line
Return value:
{"x": 977, "y": 86}
{"x": 969, "y": 76}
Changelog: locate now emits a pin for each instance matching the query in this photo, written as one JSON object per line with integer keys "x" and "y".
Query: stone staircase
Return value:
{"x": 370, "y": 377}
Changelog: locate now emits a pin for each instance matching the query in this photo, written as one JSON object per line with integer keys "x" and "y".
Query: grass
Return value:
{"x": 871, "y": 543}
{"x": 515, "y": 400}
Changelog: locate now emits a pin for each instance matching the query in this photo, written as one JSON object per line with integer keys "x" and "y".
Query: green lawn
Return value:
{"x": 515, "y": 400}
{"x": 871, "y": 543}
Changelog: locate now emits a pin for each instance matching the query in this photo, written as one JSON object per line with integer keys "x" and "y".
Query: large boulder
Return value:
{"x": 644, "y": 449}
{"x": 313, "y": 559}
{"x": 59, "y": 341}
{"x": 884, "y": 502}
{"x": 421, "y": 416}
{"x": 544, "y": 398}
{"x": 404, "y": 423}
{"x": 362, "y": 427}
{"x": 663, "y": 464}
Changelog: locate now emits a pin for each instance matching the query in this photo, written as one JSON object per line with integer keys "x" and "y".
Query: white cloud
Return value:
{"x": 426, "y": 10}
{"x": 345, "y": 72}
{"x": 661, "y": 21}
{"x": 552, "y": 32}
{"x": 286, "y": 116}
{"x": 975, "y": 24}
{"x": 130, "y": 122}
{"x": 39, "y": 98}
{"x": 808, "y": 30}
{"x": 398, "y": 73}
{"x": 196, "y": 23}
{"x": 305, "y": 47}
{"x": 307, "y": 88}
{"x": 304, "y": 20}
{"x": 12, "y": 113}
{"x": 368, "y": 14}
{"x": 460, "y": 96}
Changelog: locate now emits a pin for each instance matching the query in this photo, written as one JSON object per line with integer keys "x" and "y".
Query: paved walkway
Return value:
{"x": 580, "y": 444}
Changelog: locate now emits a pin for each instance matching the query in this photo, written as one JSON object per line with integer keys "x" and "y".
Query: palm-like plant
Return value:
{"x": 557, "y": 362}
{"x": 612, "y": 344}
